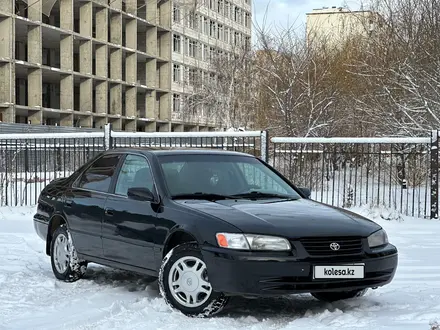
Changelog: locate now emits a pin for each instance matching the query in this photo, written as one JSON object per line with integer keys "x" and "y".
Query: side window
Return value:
{"x": 99, "y": 176}
{"x": 135, "y": 173}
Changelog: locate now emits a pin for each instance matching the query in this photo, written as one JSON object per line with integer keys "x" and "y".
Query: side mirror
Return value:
{"x": 306, "y": 192}
{"x": 140, "y": 194}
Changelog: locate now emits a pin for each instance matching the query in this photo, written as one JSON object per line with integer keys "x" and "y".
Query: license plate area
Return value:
{"x": 345, "y": 271}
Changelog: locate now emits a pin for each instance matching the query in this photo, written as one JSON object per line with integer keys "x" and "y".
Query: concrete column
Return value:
{"x": 165, "y": 107}
{"x": 131, "y": 6}
{"x": 102, "y": 24}
{"x": 165, "y": 13}
{"x": 117, "y": 4}
{"x": 6, "y": 38}
{"x": 165, "y": 46}
{"x": 86, "y": 95}
{"x": 165, "y": 127}
{"x": 131, "y": 34}
{"x": 35, "y": 87}
{"x": 150, "y": 127}
{"x": 116, "y": 99}
{"x": 131, "y": 68}
{"x": 116, "y": 64}
{"x": 85, "y": 55}
{"x": 34, "y": 44}
{"x": 66, "y": 92}
{"x": 151, "y": 74}
{"x": 66, "y": 15}
{"x": 116, "y": 28}
{"x": 130, "y": 126}
{"x": 130, "y": 101}
{"x": 150, "y": 104}
{"x": 152, "y": 11}
{"x": 100, "y": 122}
{"x": 86, "y": 121}
{"x": 164, "y": 76}
{"x": 7, "y": 85}
{"x": 101, "y": 54}
{"x": 86, "y": 19}
{"x": 66, "y": 120}
{"x": 7, "y": 6}
{"x": 66, "y": 53}
{"x": 35, "y": 117}
{"x": 117, "y": 124}
{"x": 101, "y": 100}
{"x": 35, "y": 11}
{"x": 151, "y": 47}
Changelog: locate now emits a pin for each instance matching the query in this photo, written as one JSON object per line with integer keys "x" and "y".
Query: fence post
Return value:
{"x": 264, "y": 145}
{"x": 434, "y": 174}
{"x": 108, "y": 136}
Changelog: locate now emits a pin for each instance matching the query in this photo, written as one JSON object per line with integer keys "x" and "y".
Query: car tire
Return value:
{"x": 184, "y": 284}
{"x": 65, "y": 263}
{"x": 340, "y": 295}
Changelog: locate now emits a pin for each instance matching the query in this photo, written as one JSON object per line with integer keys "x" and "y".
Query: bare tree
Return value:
{"x": 294, "y": 78}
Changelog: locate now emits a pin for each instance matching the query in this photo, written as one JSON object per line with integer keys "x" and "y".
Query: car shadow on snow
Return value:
{"x": 295, "y": 306}
{"x": 133, "y": 282}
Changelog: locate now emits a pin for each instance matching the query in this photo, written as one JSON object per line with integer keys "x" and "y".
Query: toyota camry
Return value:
{"x": 209, "y": 225}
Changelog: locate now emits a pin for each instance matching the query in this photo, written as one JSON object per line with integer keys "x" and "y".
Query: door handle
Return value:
{"x": 108, "y": 212}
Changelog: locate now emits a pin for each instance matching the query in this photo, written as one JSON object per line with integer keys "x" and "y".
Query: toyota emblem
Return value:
{"x": 335, "y": 246}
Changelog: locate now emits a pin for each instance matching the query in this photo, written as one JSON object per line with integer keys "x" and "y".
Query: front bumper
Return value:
{"x": 258, "y": 274}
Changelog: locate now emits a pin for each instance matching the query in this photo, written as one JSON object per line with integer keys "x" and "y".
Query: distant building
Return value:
{"x": 332, "y": 26}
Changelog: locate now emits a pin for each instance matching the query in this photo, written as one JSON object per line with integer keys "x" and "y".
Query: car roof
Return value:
{"x": 179, "y": 151}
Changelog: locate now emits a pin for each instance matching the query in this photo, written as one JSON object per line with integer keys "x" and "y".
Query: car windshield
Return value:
{"x": 217, "y": 176}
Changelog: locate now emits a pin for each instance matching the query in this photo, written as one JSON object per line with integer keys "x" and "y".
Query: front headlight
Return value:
{"x": 378, "y": 238}
{"x": 252, "y": 242}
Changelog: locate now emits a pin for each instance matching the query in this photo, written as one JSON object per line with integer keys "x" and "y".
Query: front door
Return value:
{"x": 129, "y": 225}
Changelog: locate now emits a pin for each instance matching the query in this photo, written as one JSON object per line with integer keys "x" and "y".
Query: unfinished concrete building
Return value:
{"x": 87, "y": 63}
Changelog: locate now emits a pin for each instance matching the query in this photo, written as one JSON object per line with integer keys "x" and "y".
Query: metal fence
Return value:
{"x": 346, "y": 172}
{"x": 398, "y": 173}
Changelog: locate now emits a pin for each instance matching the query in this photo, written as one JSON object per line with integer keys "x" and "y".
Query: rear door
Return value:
{"x": 85, "y": 201}
{"x": 129, "y": 225}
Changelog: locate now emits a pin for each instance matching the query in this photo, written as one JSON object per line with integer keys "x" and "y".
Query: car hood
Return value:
{"x": 293, "y": 219}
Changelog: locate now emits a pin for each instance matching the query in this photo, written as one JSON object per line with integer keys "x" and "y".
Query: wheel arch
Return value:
{"x": 177, "y": 237}
{"x": 55, "y": 222}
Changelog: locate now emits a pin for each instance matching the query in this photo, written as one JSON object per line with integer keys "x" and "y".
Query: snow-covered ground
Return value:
{"x": 31, "y": 298}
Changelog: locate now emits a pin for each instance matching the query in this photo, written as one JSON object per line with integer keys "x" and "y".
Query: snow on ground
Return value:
{"x": 31, "y": 298}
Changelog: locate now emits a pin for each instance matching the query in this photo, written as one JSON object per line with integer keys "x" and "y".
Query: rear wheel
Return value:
{"x": 184, "y": 283}
{"x": 341, "y": 295}
{"x": 65, "y": 263}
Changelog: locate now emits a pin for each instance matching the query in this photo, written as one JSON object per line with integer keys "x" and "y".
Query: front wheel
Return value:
{"x": 65, "y": 263}
{"x": 184, "y": 283}
{"x": 341, "y": 295}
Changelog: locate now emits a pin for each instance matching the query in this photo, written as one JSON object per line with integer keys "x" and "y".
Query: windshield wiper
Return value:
{"x": 203, "y": 196}
{"x": 259, "y": 194}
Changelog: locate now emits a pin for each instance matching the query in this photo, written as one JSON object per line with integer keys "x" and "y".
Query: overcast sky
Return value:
{"x": 291, "y": 12}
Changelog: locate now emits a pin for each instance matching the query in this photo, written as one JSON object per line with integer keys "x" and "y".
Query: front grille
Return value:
{"x": 320, "y": 246}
